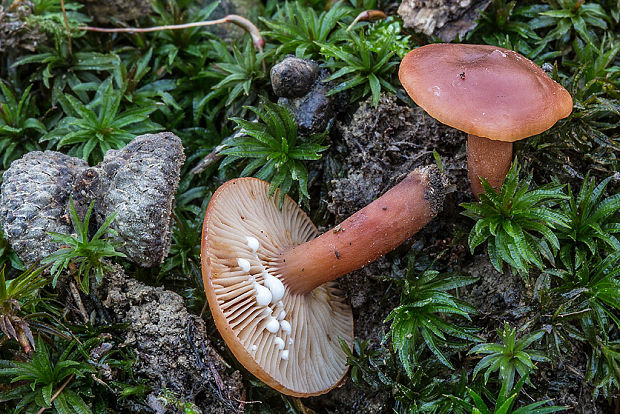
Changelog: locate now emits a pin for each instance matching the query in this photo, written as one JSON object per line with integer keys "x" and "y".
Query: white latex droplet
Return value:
{"x": 243, "y": 264}
{"x": 253, "y": 243}
{"x": 272, "y": 325}
{"x": 282, "y": 315}
{"x": 284, "y": 355}
{"x": 263, "y": 295}
{"x": 290, "y": 341}
{"x": 279, "y": 342}
{"x": 254, "y": 347}
{"x": 275, "y": 286}
{"x": 285, "y": 326}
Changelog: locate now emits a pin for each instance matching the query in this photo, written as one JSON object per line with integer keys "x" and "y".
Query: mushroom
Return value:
{"x": 495, "y": 95}
{"x": 269, "y": 279}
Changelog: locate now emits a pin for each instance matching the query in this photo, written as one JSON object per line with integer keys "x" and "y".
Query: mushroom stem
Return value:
{"x": 489, "y": 159}
{"x": 368, "y": 234}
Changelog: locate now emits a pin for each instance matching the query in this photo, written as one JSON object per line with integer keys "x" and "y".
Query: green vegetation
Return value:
{"x": 84, "y": 253}
{"x": 62, "y": 377}
{"x": 237, "y": 74}
{"x": 301, "y": 30}
{"x": 18, "y": 124}
{"x": 554, "y": 222}
{"x": 425, "y": 298}
{"x": 510, "y": 218}
{"x": 505, "y": 401}
{"x": 276, "y": 150}
{"x": 94, "y": 128}
{"x": 46, "y": 383}
{"x": 356, "y": 65}
{"x": 511, "y": 357}
{"x": 17, "y": 294}
{"x": 591, "y": 224}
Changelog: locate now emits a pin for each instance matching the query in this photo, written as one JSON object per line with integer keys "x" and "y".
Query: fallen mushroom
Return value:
{"x": 269, "y": 279}
{"x": 495, "y": 95}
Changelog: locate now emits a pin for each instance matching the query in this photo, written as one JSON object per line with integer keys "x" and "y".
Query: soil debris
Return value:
{"x": 315, "y": 110}
{"x": 381, "y": 145}
{"x": 496, "y": 295}
{"x": 137, "y": 182}
{"x": 15, "y": 32}
{"x": 110, "y": 11}
{"x": 172, "y": 347}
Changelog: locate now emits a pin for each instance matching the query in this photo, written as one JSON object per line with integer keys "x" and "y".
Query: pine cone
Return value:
{"x": 139, "y": 182}
{"x": 33, "y": 200}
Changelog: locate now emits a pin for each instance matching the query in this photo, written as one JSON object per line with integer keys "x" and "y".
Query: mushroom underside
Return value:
{"x": 292, "y": 342}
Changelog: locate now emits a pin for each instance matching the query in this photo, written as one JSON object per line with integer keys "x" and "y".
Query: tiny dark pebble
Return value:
{"x": 294, "y": 77}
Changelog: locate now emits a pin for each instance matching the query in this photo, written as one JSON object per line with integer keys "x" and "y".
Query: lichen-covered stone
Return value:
{"x": 33, "y": 200}
{"x": 167, "y": 341}
{"x": 139, "y": 182}
{"x": 441, "y": 18}
{"x": 294, "y": 77}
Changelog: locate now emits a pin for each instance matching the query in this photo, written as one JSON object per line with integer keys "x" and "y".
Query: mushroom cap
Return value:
{"x": 484, "y": 90}
{"x": 316, "y": 363}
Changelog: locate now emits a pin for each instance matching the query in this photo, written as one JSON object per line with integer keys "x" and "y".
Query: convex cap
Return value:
{"x": 484, "y": 90}
{"x": 289, "y": 341}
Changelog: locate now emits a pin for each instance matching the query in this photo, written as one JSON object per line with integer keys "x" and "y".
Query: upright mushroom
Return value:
{"x": 495, "y": 95}
{"x": 269, "y": 279}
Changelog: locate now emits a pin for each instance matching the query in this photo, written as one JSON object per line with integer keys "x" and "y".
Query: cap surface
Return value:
{"x": 484, "y": 90}
{"x": 291, "y": 344}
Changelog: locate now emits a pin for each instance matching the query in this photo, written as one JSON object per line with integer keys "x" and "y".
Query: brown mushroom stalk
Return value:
{"x": 489, "y": 159}
{"x": 371, "y": 232}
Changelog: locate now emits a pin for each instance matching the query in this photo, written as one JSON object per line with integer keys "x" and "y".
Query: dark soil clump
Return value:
{"x": 380, "y": 146}
{"x": 172, "y": 347}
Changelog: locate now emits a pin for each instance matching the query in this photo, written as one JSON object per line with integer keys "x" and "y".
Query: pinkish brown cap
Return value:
{"x": 484, "y": 90}
{"x": 289, "y": 341}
